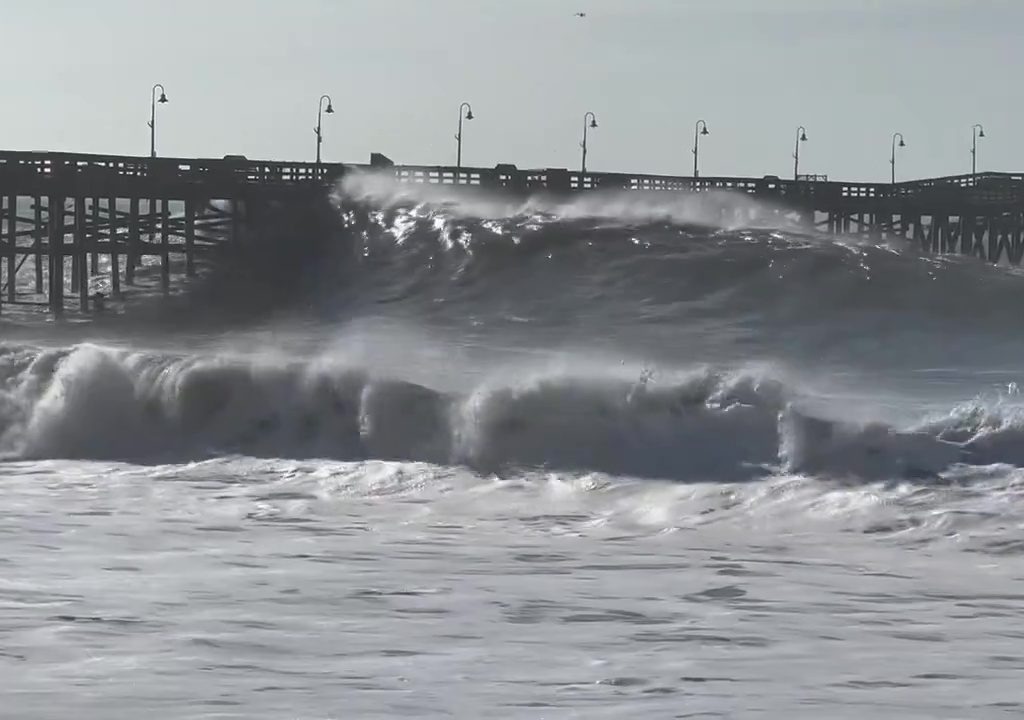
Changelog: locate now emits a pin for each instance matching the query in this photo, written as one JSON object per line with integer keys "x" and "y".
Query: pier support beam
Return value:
{"x": 131, "y": 259}
{"x": 94, "y": 238}
{"x": 80, "y": 267}
{"x": 190, "y": 237}
{"x": 12, "y": 247}
{"x": 115, "y": 249}
{"x": 55, "y": 215}
{"x": 165, "y": 248}
{"x": 37, "y": 241}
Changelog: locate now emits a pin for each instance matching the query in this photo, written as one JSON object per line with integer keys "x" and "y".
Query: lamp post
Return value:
{"x": 977, "y": 131}
{"x": 892, "y": 158}
{"x": 593, "y": 124}
{"x": 701, "y": 128}
{"x": 801, "y": 136}
{"x": 468, "y": 116}
{"x": 319, "y": 127}
{"x": 152, "y": 116}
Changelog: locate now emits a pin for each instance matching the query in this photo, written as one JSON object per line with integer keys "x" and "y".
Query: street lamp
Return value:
{"x": 701, "y": 128}
{"x": 152, "y": 117}
{"x": 892, "y": 158}
{"x": 458, "y": 138}
{"x": 593, "y": 124}
{"x": 319, "y": 128}
{"x": 977, "y": 132}
{"x": 801, "y": 136}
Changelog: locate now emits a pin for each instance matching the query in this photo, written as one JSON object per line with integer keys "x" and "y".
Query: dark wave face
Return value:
{"x": 703, "y": 338}
{"x": 663, "y": 274}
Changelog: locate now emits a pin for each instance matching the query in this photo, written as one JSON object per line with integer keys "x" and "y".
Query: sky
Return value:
{"x": 244, "y": 77}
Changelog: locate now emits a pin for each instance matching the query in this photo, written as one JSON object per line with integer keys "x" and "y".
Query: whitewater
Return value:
{"x": 427, "y": 453}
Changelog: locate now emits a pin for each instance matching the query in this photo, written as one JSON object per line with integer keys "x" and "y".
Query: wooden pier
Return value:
{"x": 63, "y": 217}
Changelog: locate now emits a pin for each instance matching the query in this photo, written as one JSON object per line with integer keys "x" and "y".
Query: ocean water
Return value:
{"x": 453, "y": 455}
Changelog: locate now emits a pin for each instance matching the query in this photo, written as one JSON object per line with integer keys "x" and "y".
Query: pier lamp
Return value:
{"x": 152, "y": 116}
{"x": 977, "y": 132}
{"x": 318, "y": 130}
{"x": 801, "y": 136}
{"x": 458, "y": 137}
{"x": 701, "y": 128}
{"x": 591, "y": 124}
{"x": 892, "y": 158}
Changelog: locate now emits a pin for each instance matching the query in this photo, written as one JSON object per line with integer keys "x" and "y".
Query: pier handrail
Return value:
{"x": 17, "y": 166}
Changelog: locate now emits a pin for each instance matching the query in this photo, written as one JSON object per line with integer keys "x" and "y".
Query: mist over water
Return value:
{"x": 430, "y": 423}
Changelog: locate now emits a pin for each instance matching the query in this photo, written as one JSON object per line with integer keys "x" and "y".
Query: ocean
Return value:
{"x": 439, "y": 454}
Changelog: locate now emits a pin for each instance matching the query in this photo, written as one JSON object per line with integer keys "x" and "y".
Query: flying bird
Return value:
{"x": 581, "y": 14}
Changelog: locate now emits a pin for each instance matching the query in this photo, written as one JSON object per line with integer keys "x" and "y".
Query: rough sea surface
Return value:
{"x": 458, "y": 456}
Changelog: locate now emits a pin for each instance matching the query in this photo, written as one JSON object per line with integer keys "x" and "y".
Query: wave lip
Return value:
{"x": 93, "y": 402}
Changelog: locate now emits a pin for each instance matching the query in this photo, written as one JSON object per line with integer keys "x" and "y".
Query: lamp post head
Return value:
{"x": 803, "y": 137}
{"x": 593, "y": 122}
{"x": 704, "y": 129}
{"x": 469, "y": 114}
{"x": 981, "y": 134}
{"x": 163, "y": 97}
{"x": 902, "y": 144}
{"x": 330, "y": 108}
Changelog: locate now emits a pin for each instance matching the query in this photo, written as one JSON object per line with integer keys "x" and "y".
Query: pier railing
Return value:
{"x": 231, "y": 174}
{"x": 983, "y": 188}
{"x": 124, "y": 172}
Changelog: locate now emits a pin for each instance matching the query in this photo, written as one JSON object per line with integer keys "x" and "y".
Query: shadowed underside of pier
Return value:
{"x": 68, "y": 219}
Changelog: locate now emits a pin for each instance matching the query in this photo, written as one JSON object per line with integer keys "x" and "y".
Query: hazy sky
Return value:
{"x": 243, "y": 76}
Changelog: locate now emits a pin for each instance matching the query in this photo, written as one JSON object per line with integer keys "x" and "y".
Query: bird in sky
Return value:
{"x": 581, "y": 14}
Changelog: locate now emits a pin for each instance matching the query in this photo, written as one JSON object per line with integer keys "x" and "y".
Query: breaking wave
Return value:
{"x": 89, "y": 401}
{"x": 703, "y": 288}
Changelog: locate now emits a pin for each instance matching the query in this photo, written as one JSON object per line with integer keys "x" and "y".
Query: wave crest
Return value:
{"x": 703, "y": 425}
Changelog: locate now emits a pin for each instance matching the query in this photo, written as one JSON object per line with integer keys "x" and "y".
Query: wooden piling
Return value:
{"x": 12, "y": 248}
{"x": 81, "y": 267}
{"x": 165, "y": 248}
{"x": 131, "y": 259}
{"x": 94, "y": 238}
{"x": 37, "y": 241}
{"x": 190, "y": 237}
{"x": 115, "y": 261}
{"x": 55, "y": 216}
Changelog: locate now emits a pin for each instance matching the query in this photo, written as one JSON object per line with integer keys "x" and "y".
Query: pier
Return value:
{"x": 63, "y": 215}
